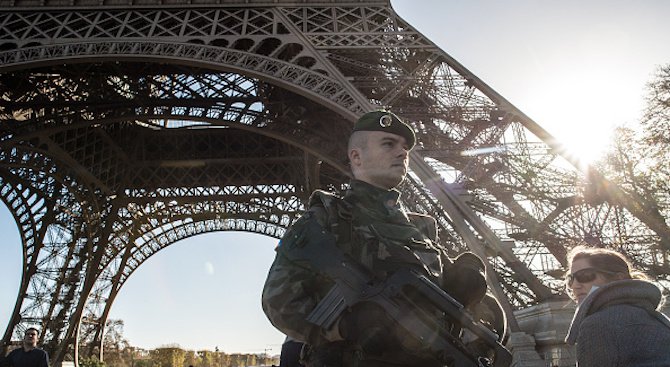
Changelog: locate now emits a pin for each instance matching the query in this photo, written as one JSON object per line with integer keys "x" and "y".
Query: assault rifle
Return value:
{"x": 316, "y": 248}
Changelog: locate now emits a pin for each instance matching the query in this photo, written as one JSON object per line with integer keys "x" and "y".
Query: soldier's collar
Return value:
{"x": 372, "y": 194}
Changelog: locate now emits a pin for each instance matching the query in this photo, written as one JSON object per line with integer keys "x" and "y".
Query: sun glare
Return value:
{"x": 581, "y": 110}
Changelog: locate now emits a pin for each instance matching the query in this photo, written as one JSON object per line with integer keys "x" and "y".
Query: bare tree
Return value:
{"x": 656, "y": 126}
{"x": 116, "y": 347}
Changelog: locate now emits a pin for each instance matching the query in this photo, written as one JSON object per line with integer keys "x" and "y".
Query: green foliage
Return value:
{"x": 191, "y": 358}
{"x": 116, "y": 349}
{"x": 144, "y": 363}
{"x": 206, "y": 359}
{"x": 91, "y": 362}
{"x": 168, "y": 357}
{"x": 119, "y": 353}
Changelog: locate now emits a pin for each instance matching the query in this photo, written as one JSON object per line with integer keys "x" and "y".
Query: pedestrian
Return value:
{"x": 373, "y": 228}
{"x": 28, "y": 355}
{"x": 617, "y": 322}
{"x": 290, "y": 353}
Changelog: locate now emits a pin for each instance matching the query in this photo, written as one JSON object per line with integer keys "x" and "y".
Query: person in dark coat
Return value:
{"x": 29, "y": 355}
{"x": 290, "y": 353}
{"x": 617, "y": 322}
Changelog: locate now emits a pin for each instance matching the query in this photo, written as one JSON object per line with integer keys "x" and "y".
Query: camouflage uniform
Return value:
{"x": 372, "y": 227}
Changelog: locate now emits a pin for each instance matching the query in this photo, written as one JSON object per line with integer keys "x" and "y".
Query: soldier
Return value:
{"x": 371, "y": 227}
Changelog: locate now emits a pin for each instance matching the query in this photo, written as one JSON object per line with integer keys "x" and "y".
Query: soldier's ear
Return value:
{"x": 355, "y": 157}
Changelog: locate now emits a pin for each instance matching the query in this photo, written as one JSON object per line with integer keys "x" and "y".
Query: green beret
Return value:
{"x": 388, "y": 122}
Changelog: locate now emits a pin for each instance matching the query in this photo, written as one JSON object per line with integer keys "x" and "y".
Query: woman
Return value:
{"x": 616, "y": 322}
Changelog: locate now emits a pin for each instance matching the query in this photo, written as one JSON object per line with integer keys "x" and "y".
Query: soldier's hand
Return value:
{"x": 367, "y": 326}
{"x": 465, "y": 281}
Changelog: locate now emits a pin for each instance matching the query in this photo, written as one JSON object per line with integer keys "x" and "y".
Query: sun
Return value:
{"x": 581, "y": 109}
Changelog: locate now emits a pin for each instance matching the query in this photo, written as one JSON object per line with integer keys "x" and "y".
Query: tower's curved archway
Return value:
{"x": 186, "y": 152}
{"x": 10, "y": 273}
{"x": 205, "y": 290}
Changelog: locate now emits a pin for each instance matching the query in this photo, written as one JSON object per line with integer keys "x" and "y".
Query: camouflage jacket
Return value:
{"x": 371, "y": 226}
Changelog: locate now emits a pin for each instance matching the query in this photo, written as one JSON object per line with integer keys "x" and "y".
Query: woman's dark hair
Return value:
{"x": 610, "y": 261}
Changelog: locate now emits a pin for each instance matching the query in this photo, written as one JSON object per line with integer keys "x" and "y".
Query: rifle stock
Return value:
{"x": 397, "y": 295}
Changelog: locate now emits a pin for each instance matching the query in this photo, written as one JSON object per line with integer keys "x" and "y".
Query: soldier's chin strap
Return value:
{"x": 419, "y": 306}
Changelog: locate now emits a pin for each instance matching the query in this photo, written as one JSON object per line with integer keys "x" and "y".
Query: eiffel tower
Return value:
{"x": 128, "y": 125}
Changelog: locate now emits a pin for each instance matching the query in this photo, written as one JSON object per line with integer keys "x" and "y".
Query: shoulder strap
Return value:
{"x": 329, "y": 202}
{"x": 337, "y": 216}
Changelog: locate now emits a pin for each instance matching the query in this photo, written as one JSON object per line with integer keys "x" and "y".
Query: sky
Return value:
{"x": 578, "y": 68}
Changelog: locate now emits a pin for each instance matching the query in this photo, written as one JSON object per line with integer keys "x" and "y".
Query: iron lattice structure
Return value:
{"x": 129, "y": 125}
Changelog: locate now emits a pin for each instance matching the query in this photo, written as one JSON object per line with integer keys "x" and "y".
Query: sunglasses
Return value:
{"x": 585, "y": 275}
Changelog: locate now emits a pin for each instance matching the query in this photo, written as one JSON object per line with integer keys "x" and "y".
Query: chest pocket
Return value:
{"x": 389, "y": 246}
{"x": 378, "y": 244}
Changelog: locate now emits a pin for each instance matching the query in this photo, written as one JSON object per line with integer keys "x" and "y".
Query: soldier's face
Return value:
{"x": 383, "y": 161}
